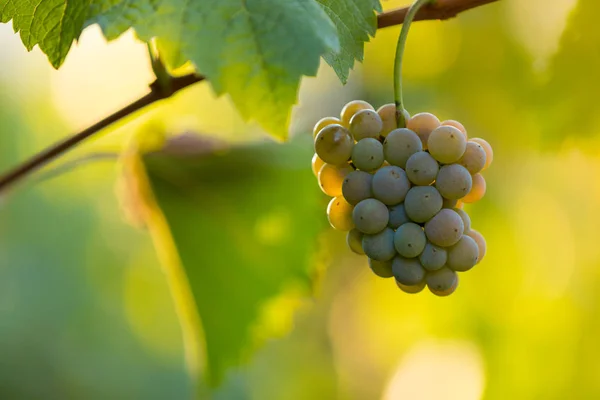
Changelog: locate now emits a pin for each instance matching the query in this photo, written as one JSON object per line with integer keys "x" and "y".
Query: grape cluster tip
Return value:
{"x": 400, "y": 192}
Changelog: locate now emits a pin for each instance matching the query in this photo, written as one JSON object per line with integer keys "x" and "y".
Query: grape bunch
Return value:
{"x": 399, "y": 193}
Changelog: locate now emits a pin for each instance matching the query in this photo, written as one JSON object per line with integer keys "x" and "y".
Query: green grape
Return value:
{"x": 352, "y": 108}
{"x": 489, "y": 153}
{"x": 379, "y": 246}
{"x": 354, "y": 241}
{"x": 334, "y": 144}
{"x": 365, "y": 124}
{"x": 331, "y": 177}
{"x": 323, "y": 122}
{"x": 367, "y": 154}
{"x": 399, "y": 145}
{"x": 421, "y": 168}
{"x": 453, "y": 181}
{"x": 408, "y": 271}
{"x": 481, "y": 244}
{"x": 413, "y": 289}
{"x": 477, "y": 190}
{"x": 447, "y": 144}
{"x": 390, "y": 185}
{"x": 449, "y": 203}
{"x": 465, "y": 217}
{"x": 422, "y": 203}
{"x": 383, "y": 269}
{"x": 410, "y": 240}
{"x": 423, "y": 124}
{"x": 457, "y": 125}
{"x": 445, "y": 229}
{"x": 446, "y": 292}
{"x": 441, "y": 280}
{"x": 357, "y": 186}
{"x": 463, "y": 255}
{"x": 317, "y": 163}
{"x": 397, "y": 216}
{"x": 474, "y": 158}
{"x": 370, "y": 216}
{"x": 339, "y": 214}
{"x": 433, "y": 257}
{"x": 387, "y": 113}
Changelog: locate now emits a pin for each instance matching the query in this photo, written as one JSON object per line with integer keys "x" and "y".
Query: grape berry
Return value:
{"x": 399, "y": 193}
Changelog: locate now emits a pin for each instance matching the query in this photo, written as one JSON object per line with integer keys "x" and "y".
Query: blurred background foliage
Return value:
{"x": 85, "y": 310}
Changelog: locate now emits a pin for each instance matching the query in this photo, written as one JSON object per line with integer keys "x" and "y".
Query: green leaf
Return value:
{"x": 254, "y": 50}
{"x": 355, "y": 21}
{"x": 51, "y": 24}
{"x": 244, "y": 223}
{"x": 568, "y": 101}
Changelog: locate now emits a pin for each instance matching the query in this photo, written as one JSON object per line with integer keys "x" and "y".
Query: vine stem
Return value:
{"x": 158, "y": 92}
{"x": 162, "y": 89}
{"x": 410, "y": 15}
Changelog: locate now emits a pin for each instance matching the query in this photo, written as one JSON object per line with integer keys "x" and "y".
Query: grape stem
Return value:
{"x": 410, "y": 15}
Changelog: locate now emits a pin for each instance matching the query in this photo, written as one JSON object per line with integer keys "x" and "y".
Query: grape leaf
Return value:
{"x": 51, "y": 24}
{"x": 244, "y": 224}
{"x": 256, "y": 51}
{"x": 355, "y": 21}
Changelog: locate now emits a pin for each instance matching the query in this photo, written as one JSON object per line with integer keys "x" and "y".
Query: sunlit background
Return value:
{"x": 85, "y": 311}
